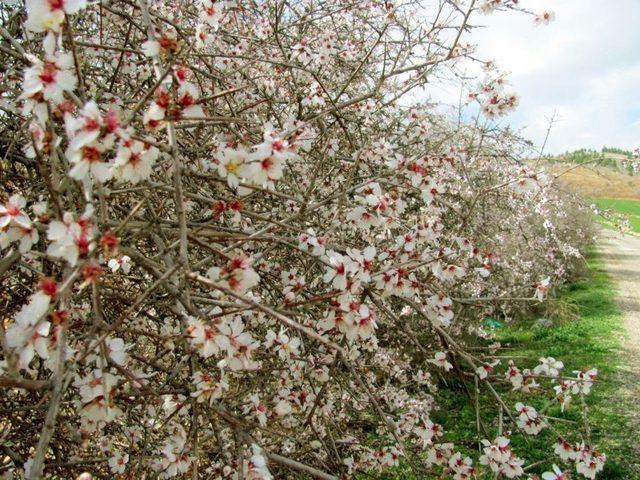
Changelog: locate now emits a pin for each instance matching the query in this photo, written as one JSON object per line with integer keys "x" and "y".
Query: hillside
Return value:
{"x": 596, "y": 181}
{"x": 612, "y": 158}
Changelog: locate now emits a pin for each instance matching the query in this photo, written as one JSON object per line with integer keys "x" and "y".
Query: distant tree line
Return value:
{"x": 601, "y": 158}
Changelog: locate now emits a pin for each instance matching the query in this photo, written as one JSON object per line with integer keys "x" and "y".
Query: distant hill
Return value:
{"x": 612, "y": 158}
{"x": 594, "y": 181}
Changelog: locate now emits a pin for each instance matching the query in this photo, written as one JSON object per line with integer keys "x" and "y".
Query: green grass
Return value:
{"x": 630, "y": 208}
{"x": 592, "y": 339}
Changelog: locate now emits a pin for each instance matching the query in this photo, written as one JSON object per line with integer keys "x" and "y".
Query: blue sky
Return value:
{"x": 584, "y": 66}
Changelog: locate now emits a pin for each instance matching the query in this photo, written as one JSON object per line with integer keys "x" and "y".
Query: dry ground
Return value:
{"x": 597, "y": 182}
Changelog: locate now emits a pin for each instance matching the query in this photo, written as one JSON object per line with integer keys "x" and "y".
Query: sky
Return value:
{"x": 584, "y": 67}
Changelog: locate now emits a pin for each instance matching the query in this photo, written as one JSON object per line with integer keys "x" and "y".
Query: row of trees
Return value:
{"x": 233, "y": 247}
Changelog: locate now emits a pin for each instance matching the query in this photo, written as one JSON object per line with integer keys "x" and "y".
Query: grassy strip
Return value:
{"x": 591, "y": 340}
{"x": 630, "y": 208}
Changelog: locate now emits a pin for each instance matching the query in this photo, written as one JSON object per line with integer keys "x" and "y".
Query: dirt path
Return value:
{"x": 621, "y": 256}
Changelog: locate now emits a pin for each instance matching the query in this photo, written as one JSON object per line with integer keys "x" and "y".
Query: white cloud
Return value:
{"x": 584, "y": 66}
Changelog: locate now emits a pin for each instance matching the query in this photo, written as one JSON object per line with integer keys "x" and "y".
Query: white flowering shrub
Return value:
{"x": 235, "y": 245}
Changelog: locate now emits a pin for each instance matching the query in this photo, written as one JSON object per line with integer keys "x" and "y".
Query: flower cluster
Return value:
{"x": 588, "y": 462}
{"x": 499, "y": 457}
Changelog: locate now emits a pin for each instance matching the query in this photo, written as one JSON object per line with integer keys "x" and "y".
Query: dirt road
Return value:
{"x": 621, "y": 256}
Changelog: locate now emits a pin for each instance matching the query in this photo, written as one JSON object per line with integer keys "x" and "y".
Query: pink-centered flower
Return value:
{"x": 12, "y": 212}
{"x": 134, "y": 161}
{"x": 51, "y": 77}
{"x": 50, "y": 14}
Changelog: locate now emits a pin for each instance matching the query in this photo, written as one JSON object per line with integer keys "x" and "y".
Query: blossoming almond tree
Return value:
{"x": 235, "y": 247}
